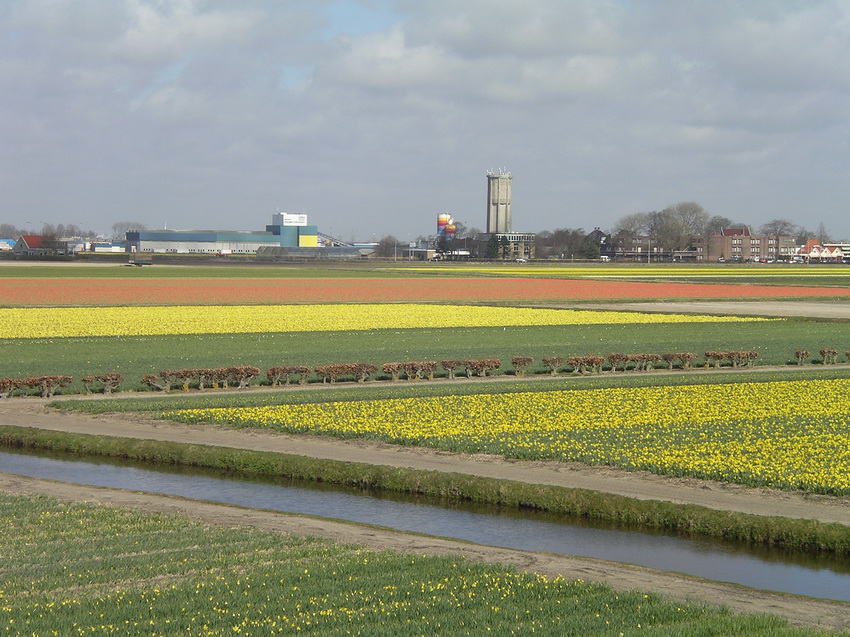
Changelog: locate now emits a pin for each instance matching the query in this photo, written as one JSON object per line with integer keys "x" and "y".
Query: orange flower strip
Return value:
{"x": 23, "y": 292}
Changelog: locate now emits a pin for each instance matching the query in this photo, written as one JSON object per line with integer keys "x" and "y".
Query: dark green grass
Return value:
{"x": 775, "y": 341}
{"x": 119, "y": 270}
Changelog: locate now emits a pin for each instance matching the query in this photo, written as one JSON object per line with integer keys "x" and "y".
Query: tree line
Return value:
{"x": 672, "y": 228}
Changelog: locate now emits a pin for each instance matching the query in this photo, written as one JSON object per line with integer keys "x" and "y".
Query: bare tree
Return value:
{"x": 121, "y": 228}
{"x": 388, "y": 246}
{"x": 717, "y": 223}
{"x": 779, "y": 228}
{"x": 562, "y": 242}
{"x": 633, "y": 225}
{"x": 692, "y": 217}
{"x": 674, "y": 226}
{"x": 804, "y": 234}
{"x": 8, "y": 231}
{"x": 822, "y": 235}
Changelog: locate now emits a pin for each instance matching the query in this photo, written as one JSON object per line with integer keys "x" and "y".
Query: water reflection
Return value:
{"x": 757, "y": 567}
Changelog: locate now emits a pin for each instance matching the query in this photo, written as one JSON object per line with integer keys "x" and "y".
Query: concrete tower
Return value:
{"x": 499, "y": 203}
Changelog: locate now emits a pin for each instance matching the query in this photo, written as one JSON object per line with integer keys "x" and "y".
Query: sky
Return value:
{"x": 374, "y": 116}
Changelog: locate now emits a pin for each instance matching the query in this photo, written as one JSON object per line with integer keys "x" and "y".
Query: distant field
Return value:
{"x": 762, "y": 274}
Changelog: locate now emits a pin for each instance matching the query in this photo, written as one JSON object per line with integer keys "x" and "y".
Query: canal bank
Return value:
{"x": 797, "y": 609}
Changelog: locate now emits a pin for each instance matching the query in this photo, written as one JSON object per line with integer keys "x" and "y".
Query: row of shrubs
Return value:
{"x": 828, "y": 355}
{"x": 241, "y": 376}
{"x": 47, "y": 385}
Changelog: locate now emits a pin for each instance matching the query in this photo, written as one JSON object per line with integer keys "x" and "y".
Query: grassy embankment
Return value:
{"x": 182, "y": 577}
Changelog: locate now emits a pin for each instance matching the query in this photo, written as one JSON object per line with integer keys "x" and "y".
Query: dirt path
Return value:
{"x": 800, "y": 610}
{"x": 838, "y": 309}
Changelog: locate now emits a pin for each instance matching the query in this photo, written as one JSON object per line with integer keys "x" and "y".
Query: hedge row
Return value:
{"x": 235, "y": 376}
{"x": 46, "y": 384}
{"x": 243, "y": 375}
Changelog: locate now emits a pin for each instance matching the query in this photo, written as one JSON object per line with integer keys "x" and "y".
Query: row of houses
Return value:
{"x": 729, "y": 245}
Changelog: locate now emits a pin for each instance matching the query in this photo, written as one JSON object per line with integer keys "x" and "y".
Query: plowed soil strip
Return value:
{"x": 23, "y": 292}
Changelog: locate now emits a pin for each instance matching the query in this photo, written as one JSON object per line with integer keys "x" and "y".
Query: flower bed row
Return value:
{"x": 77, "y": 322}
{"x": 461, "y": 289}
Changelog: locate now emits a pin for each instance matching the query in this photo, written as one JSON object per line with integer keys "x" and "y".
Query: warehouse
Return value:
{"x": 285, "y": 231}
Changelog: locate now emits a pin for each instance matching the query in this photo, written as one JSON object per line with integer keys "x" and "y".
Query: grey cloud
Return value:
{"x": 216, "y": 113}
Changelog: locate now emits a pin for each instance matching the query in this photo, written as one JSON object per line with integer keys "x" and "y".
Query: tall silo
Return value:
{"x": 499, "y": 203}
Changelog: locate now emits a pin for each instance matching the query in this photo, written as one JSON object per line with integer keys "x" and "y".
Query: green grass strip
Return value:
{"x": 803, "y": 535}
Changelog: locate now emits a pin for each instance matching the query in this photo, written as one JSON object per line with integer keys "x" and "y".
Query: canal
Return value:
{"x": 759, "y": 567}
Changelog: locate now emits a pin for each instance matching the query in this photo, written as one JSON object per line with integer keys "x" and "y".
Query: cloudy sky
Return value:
{"x": 374, "y": 116}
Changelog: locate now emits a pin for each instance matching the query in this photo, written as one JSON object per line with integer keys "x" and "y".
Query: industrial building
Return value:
{"x": 285, "y": 231}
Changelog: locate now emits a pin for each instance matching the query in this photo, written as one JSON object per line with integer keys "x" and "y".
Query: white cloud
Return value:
{"x": 341, "y": 107}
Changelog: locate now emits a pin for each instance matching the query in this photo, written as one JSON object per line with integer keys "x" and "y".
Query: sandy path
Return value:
{"x": 839, "y": 309}
{"x": 800, "y": 610}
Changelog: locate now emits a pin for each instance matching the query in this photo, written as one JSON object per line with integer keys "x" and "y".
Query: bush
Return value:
{"x": 450, "y": 366}
{"x": 553, "y": 363}
{"x": 829, "y": 355}
{"x": 47, "y": 385}
{"x": 110, "y": 382}
{"x": 581, "y": 364}
{"x": 393, "y": 369}
{"x": 521, "y": 363}
{"x": 288, "y": 373}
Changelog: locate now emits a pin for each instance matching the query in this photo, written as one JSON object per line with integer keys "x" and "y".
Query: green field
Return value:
{"x": 775, "y": 341}
{"x": 89, "y": 570}
{"x": 93, "y": 590}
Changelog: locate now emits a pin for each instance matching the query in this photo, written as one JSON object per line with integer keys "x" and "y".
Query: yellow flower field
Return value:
{"x": 51, "y": 322}
{"x": 791, "y": 434}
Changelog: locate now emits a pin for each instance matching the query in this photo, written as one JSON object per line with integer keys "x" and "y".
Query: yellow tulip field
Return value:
{"x": 47, "y": 322}
{"x": 788, "y": 434}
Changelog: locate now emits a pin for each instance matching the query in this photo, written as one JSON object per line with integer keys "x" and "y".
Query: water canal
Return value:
{"x": 756, "y": 567}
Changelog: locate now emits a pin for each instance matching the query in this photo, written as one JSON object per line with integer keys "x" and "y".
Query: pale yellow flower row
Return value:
{"x": 793, "y": 434}
{"x": 227, "y": 319}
